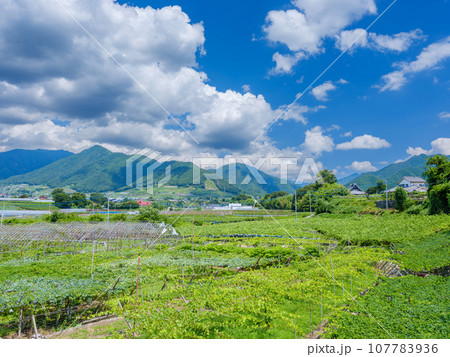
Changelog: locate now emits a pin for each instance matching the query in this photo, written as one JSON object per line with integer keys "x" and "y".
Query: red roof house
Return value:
{"x": 144, "y": 203}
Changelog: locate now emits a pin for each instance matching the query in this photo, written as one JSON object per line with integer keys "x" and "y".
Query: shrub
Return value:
{"x": 440, "y": 198}
{"x": 415, "y": 209}
{"x": 118, "y": 217}
{"x": 57, "y": 216}
{"x": 323, "y": 206}
{"x": 401, "y": 199}
{"x": 97, "y": 218}
{"x": 150, "y": 214}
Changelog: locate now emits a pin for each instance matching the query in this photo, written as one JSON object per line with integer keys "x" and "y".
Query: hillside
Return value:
{"x": 91, "y": 170}
{"x": 393, "y": 173}
{"x": 18, "y": 162}
{"x": 253, "y": 187}
{"x": 100, "y": 170}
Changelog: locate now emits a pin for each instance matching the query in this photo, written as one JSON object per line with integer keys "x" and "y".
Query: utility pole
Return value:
{"x": 310, "y": 207}
{"x": 386, "y": 195}
{"x": 108, "y": 209}
{"x": 295, "y": 206}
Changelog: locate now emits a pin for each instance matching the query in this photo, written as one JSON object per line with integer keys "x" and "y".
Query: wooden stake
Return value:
{"x": 295, "y": 328}
{"x": 310, "y": 317}
{"x": 19, "y": 334}
{"x": 321, "y": 310}
{"x": 92, "y": 264}
{"x": 334, "y": 283}
{"x": 128, "y": 323}
{"x": 137, "y": 288}
{"x": 35, "y": 327}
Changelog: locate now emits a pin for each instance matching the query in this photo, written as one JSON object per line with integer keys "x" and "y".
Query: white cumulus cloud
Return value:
{"x": 316, "y": 142}
{"x": 428, "y": 59}
{"x": 363, "y": 166}
{"x": 364, "y": 142}
{"x": 444, "y": 115}
{"x": 416, "y": 151}
{"x": 322, "y": 90}
{"x": 304, "y": 28}
{"x": 284, "y": 63}
{"x": 359, "y": 37}
{"x": 55, "y": 73}
{"x": 438, "y": 146}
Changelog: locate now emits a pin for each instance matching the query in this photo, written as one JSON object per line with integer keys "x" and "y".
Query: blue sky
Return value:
{"x": 387, "y": 97}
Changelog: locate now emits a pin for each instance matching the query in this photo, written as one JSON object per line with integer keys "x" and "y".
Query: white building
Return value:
{"x": 409, "y": 181}
{"x": 355, "y": 190}
{"x": 235, "y": 207}
{"x": 411, "y": 184}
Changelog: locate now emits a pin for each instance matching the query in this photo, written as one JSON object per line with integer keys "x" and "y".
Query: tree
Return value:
{"x": 401, "y": 199}
{"x": 378, "y": 188}
{"x": 61, "y": 199}
{"x": 327, "y": 176}
{"x": 79, "y": 200}
{"x": 98, "y": 198}
{"x": 437, "y": 174}
{"x": 241, "y": 198}
{"x": 150, "y": 214}
{"x": 437, "y": 170}
{"x": 439, "y": 197}
{"x": 128, "y": 205}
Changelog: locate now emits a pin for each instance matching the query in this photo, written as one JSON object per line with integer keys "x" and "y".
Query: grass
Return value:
{"x": 211, "y": 287}
{"x": 407, "y": 307}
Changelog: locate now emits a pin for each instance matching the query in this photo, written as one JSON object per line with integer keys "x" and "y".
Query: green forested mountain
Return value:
{"x": 393, "y": 173}
{"x": 99, "y": 170}
{"x": 18, "y": 162}
{"x": 272, "y": 184}
{"x": 87, "y": 171}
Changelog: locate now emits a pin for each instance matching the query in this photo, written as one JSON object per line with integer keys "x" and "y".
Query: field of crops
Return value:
{"x": 243, "y": 277}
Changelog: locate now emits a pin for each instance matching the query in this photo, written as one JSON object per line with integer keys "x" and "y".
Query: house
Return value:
{"x": 409, "y": 181}
{"x": 236, "y": 207}
{"x": 355, "y": 190}
{"x": 143, "y": 203}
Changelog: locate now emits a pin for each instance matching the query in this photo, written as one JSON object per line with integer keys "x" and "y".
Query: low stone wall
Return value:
{"x": 382, "y": 204}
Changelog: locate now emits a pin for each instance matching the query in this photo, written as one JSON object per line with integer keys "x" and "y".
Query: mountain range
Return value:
{"x": 100, "y": 170}
{"x": 415, "y": 166}
{"x": 18, "y": 162}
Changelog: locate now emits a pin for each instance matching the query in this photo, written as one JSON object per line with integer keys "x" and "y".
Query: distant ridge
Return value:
{"x": 18, "y": 161}
{"x": 100, "y": 170}
{"x": 415, "y": 166}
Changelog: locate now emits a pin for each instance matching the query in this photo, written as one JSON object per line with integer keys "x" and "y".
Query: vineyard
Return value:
{"x": 338, "y": 276}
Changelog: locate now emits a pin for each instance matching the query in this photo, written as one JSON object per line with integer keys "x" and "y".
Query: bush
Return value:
{"x": 57, "y": 216}
{"x": 401, "y": 199}
{"x": 118, "y": 217}
{"x": 97, "y": 218}
{"x": 149, "y": 214}
{"x": 415, "y": 209}
{"x": 439, "y": 197}
{"x": 323, "y": 206}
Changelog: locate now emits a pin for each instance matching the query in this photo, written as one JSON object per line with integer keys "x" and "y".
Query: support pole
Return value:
{"x": 295, "y": 206}
{"x": 386, "y": 196}
{"x": 137, "y": 288}
{"x": 92, "y": 263}
{"x": 310, "y": 206}
{"x": 19, "y": 334}
{"x": 34, "y": 326}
